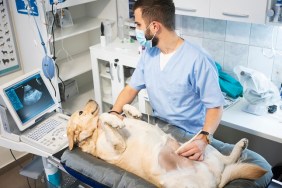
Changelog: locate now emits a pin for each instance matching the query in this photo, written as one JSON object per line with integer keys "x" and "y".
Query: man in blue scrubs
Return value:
{"x": 182, "y": 85}
{"x": 181, "y": 80}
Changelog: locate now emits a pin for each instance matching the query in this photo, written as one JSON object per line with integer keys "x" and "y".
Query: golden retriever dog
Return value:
{"x": 145, "y": 150}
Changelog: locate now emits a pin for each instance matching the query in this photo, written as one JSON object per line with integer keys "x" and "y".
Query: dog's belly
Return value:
{"x": 154, "y": 150}
{"x": 169, "y": 160}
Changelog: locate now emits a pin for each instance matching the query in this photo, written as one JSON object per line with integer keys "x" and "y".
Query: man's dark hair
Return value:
{"x": 162, "y": 11}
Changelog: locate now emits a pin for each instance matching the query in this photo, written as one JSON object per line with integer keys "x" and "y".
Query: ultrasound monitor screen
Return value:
{"x": 29, "y": 97}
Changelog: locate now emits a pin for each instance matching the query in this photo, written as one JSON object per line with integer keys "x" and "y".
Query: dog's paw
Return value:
{"x": 111, "y": 120}
{"x": 243, "y": 143}
{"x": 131, "y": 111}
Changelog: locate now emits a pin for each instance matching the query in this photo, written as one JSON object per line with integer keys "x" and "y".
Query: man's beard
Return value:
{"x": 155, "y": 40}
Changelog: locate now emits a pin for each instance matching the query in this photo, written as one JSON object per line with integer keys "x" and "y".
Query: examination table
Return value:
{"x": 97, "y": 173}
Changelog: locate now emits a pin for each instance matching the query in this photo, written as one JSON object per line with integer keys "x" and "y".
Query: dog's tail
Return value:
{"x": 241, "y": 170}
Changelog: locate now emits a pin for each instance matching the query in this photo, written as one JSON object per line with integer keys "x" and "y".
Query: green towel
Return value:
{"x": 228, "y": 84}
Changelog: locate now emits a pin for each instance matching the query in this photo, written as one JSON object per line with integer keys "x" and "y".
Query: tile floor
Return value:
{"x": 12, "y": 179}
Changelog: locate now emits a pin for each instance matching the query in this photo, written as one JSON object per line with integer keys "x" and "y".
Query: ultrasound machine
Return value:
{"x": 29, "y": 120}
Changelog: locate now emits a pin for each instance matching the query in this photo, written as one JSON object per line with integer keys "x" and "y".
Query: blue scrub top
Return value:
{"x": 181, "y": 92}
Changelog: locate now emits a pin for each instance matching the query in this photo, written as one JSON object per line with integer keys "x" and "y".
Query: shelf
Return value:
{"x": 105, "y": 75}
{"x": 80, "y": 25}
{"x": 79, "y": 64}
{"x": 130, "y": 23}
{"x": 67, "y": 3}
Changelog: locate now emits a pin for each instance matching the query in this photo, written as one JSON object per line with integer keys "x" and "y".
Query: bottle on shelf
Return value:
{"x": 277, "y": 11}
{"x": 108, "y": 31}
{"x": 102, "y": 37}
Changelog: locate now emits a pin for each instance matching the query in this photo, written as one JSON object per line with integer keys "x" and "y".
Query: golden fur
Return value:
{"x": 148, "y": 152}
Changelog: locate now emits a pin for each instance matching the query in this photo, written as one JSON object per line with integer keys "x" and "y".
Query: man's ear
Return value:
{"x": 156, "y": 26}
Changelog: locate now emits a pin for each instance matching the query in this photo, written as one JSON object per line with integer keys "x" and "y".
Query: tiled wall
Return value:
{"x": 234, "y": 43}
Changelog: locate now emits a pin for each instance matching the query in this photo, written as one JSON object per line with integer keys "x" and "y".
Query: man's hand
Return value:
{"x": 195, "y": 149}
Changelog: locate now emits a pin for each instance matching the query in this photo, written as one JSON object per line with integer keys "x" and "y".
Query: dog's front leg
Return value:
{"x": 109, "y": 124}
{"x": 131, "y": 112}
{"x": 111, "y": 120}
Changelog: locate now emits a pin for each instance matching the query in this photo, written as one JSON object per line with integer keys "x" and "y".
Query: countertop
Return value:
{"x": 268, "y": 126}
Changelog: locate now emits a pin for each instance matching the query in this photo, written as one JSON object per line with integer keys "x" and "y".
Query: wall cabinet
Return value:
{"x": 252, "y": 11}
{"x": 112, "y": 68}
{"x": 199, "y": 8}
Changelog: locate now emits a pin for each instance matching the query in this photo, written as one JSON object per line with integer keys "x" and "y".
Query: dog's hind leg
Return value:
{"x": 131, "y": 112}
{"x": 220, "y": 161}
{"x": 236, "y": 152}
{"x": 235, "y": 170}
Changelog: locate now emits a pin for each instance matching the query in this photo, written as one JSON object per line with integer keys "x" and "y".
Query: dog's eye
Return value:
{"x": 92, "y": 112}
{"x": 80, "y": 112}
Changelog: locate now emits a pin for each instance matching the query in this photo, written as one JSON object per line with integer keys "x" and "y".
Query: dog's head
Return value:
{"x": 82, "y": 124}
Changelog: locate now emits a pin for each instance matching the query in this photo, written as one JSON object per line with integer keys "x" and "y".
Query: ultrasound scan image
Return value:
{"x": 31, "y": 95}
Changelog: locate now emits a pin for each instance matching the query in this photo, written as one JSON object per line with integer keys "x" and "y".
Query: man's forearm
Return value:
{"x": 126, "y": 96}
{"x": 213, "y": 117}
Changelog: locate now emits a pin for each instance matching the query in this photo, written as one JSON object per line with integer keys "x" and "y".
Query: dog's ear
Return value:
{"x": 96, "y": 112}
{"x": 91, "y": 107}
{"x": 85, "y": 134}
{"x": 70, "y": 133}
{"x": 88, "y": 130}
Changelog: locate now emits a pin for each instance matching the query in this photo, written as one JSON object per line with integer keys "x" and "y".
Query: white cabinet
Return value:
{"x": 144, "y": 103}
{"x": 199, "y": 8}
{"x": 110, "y": 81}
{"x": 112, "y": 68}
{"x": 253, "y": 11}
{"x": 72, "y": 44}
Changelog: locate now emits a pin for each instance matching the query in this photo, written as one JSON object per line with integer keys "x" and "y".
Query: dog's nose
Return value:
{"x": 80, "y": 112}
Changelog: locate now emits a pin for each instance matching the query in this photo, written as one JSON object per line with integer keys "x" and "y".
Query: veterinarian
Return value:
{"x": 181, "y": 79}
{"x": 182, "y": 84}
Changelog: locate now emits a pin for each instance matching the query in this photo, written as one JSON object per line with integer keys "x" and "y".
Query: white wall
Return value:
{"x": 235, "y": 43}
{"x": 29, "y": 45}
